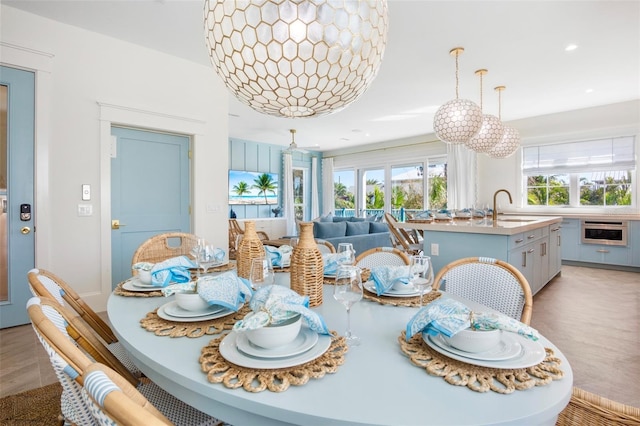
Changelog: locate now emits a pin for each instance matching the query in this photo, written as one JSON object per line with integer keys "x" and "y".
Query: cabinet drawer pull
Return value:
{"x": 524, "y": 259}
{"x": 602, "y": 251}
{"x": 559, "y": 240}
{"x": 529, "y": 237}
{"x": 519, "y": 240}
{"x": 531, "y": 250}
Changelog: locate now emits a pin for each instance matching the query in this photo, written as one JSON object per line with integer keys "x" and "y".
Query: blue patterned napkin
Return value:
{"x": 448, "y": 317}
{"x": 273, "y": 304}
{"x": 175, "y": 269}
{"x": 333, "y": 260}
{"x": 384, "y": 277}
{"x": 226, "y": 289}
{"x": 280, "y": 256}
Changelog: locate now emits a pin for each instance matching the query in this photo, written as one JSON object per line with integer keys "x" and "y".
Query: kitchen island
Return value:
{"x": 530, "y": 243}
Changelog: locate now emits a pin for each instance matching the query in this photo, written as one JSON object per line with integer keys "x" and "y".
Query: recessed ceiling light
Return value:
{"x": 589, "y": 91}
{"x": 570, "y": 47}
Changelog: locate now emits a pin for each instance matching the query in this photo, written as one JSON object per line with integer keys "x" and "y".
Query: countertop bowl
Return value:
{"x": 474, "y": 341}
{"x": 273, "y": 336}
{"x": 191, "y": 301}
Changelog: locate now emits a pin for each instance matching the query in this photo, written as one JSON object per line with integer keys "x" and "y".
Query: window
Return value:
{"x": 588, "y": 173}
{"x": 344, "y": 189}
{"x": 299, "y": 197}
{"x": 413, "y": 187}
{"x": 407, "y": 187}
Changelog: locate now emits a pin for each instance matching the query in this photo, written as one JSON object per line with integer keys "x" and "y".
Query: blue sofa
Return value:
{"x": 362, "y": 234}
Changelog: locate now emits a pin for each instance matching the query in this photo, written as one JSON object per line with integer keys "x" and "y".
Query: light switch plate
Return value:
{"x": 86, "y": 192}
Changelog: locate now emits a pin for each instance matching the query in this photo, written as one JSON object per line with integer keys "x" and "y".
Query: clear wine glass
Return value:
{"x": 206, "y": 257}
{"x": 421, "y": 274}
{"x": 195, "y": 252}
{"x": 348, "y": 290}
{"x": 347, "y": 254}
{"x": 261, "y": 272}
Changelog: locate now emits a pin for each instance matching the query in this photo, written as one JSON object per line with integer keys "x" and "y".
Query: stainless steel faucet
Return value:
{"x": 494, "y": 215}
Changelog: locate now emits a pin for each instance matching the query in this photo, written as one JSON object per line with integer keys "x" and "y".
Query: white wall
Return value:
{"x": 136, "y": 87}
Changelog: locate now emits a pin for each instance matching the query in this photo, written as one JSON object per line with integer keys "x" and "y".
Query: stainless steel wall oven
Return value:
{"x": 609, "y": 232}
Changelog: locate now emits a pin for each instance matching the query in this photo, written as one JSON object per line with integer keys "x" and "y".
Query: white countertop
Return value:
{"x": 505, "y": 225}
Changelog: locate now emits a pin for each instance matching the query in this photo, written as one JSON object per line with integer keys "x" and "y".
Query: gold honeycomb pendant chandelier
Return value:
{"x": 296, "y": 58}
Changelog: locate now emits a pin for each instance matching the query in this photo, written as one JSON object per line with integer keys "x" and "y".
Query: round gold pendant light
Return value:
{"x": 458, "y": 120}
{"x": 510, "y": 139}
{"x": 296, "y": 58}
{"x": 491, "y": 131}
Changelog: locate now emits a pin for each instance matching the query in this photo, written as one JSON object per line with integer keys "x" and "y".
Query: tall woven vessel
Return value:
{"x": 250, "y": 248}
{"x": 307, "y": 266}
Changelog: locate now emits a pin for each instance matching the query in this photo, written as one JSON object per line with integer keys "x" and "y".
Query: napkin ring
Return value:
{"x": 265, "y": 310}
{"x": 472, "y": 322}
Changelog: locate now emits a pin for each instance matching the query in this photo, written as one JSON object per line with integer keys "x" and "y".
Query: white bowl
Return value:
{"x": 191, "y": 302}
{"x": 273, "y": 336}
{"x": 144, "y": 276}
{"x": 472, "y": 341}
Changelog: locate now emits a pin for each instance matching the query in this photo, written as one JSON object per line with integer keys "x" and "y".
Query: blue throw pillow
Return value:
{"x": 340, "y": 219}
{"x": 356, "y": 219}
{"x": 329, "y": 229}
{"x": 327, "y": 218}
{"x": 377, "y": 227}
{"x": 357, "y": 228}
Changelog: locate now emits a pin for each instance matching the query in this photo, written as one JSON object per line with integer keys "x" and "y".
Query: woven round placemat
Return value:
{"x": 126, "y": 293}
{"x": 222, "y": 268}
{"x": 402, "y": 301}
{"x": 232, "y": 376}
{"x": 162, "y": 327}
{"x": 480, "y": 379}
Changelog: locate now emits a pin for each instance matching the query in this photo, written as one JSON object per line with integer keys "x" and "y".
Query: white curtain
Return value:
{"x": 461, "y": 176}
{"x": 328, "y": 201}
{"x": 287, "y": 195}
{"x": 315, "y": 208}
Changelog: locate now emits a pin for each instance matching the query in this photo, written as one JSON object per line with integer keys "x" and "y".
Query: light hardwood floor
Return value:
{"x": 592, "y": 315}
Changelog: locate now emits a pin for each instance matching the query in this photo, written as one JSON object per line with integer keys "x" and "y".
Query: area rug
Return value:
{"x": 39, "y": 406}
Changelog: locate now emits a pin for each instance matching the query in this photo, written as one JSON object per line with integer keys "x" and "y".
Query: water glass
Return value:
{"x": 347, "y": 254}
{"x": 348, "y": 290}
{"x": 421, "y": 273}
{"x": 261, "y": 272}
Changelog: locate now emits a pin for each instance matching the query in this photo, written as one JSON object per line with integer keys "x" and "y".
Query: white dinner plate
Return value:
{"x": 130, "y": 286}
{"x": 532, "y": 353}
{"x": 135, "y": 281}
{"x": 304, "y": 341}
{"x": 229, "y": 351}
{"x": 174, "y": 310}
{"x": 164, "y": 315}
{"x": 409, "y": 292}
{"x": 507, "y": 348}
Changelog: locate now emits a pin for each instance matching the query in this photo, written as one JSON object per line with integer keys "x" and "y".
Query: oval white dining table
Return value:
{"x": 377, "y": 384}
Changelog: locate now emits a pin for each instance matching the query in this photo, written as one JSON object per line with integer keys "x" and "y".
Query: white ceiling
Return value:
{"x": 521, "y": 43}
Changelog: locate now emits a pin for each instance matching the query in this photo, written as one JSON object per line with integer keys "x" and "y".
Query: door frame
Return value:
{"x": 122, "y": 116}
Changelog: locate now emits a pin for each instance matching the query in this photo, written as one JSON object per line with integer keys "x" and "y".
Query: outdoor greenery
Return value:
{"x": 610, "y": 192}
{"x": 553, "y": 190}
{"x": 549, "y": 190}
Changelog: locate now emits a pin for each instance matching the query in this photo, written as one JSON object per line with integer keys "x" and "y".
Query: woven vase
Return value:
{"x": 250, "y": 248}
{"x": 307, "y": 266}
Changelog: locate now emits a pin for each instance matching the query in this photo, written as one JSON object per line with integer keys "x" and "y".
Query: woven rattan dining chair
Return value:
{"x": 51, "y": 323}
{"x": 400, "y": 238}
{"x": 494, "y": 283}
{"x": 112, "y": 399}
{"x": 46, "y": 284}
{"x": 66, "y": 359}
{"x": 382, "y": 256}
{"x": 77, "y": 333}
{"x": 325, "y": 247}
{"x": 586, "y": 408}
{"x": 165, "y": 246}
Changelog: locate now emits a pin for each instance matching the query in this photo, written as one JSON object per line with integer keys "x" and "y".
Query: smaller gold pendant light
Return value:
{"x": 511, "y": 138}
{"x": 491, "y": 131}
{"x": 458, "y": 120}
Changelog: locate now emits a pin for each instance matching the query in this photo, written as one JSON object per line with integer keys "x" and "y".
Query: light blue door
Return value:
{"x": 17, "y": 211}
{"x": 150, "y": 191}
